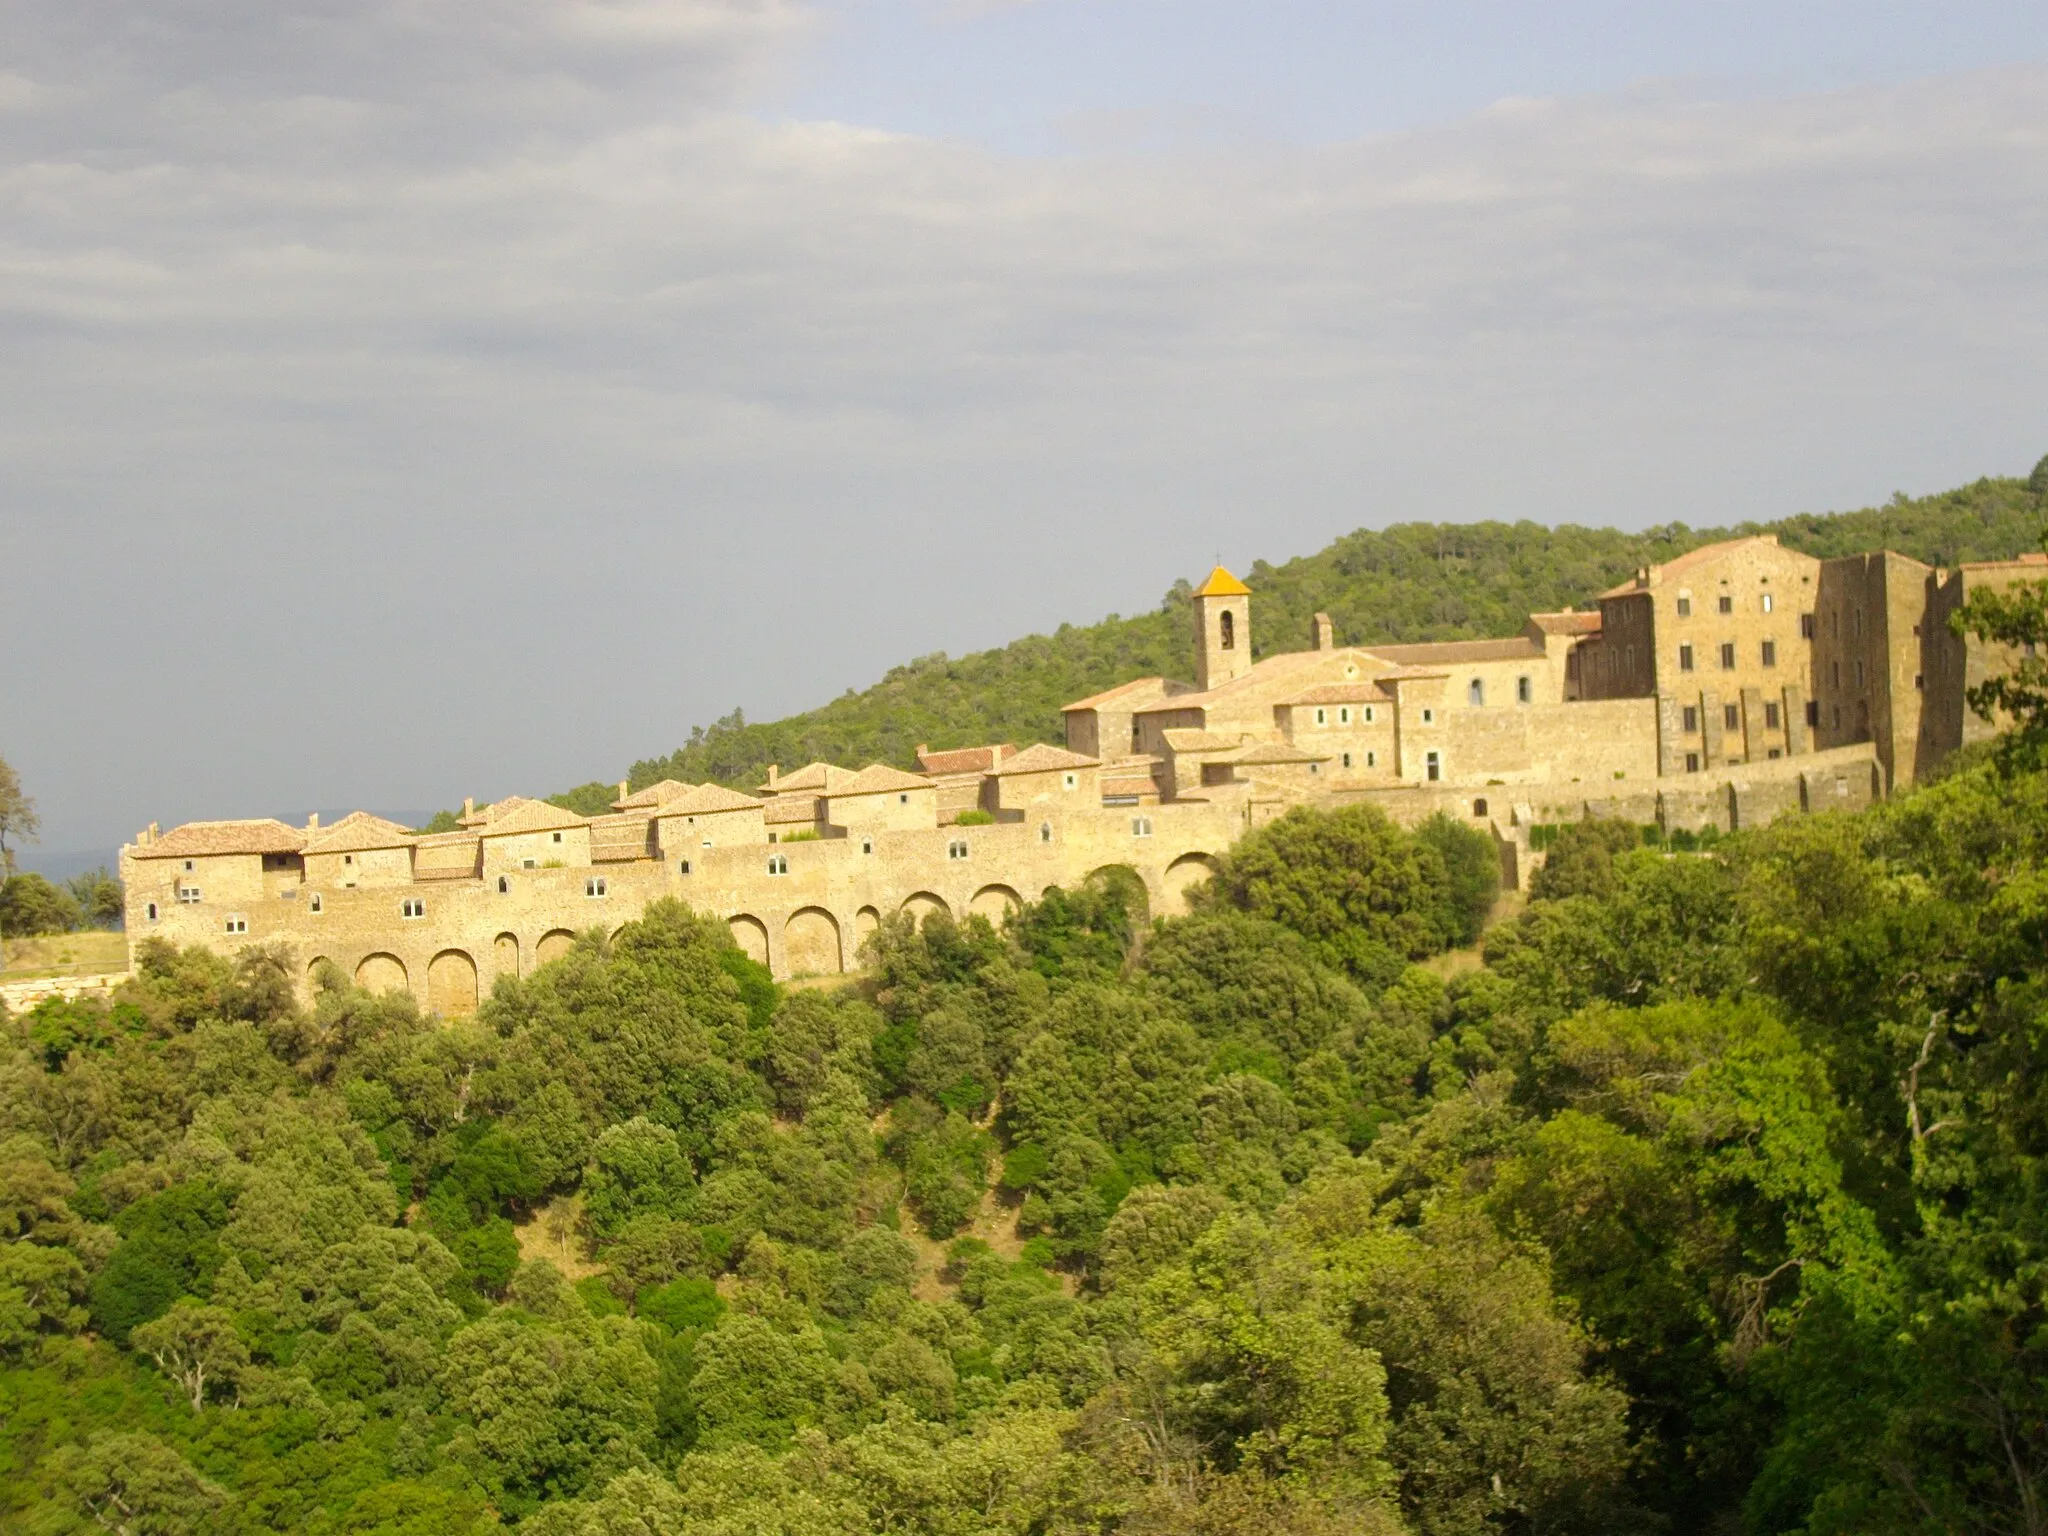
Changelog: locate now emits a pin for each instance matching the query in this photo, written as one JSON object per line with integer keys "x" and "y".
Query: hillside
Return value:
{"x": 1410, "y": 582}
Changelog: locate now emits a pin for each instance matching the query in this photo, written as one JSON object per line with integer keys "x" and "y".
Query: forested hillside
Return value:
{"x": 1413, "y": 581}
{"x": 1710, "y": 1203}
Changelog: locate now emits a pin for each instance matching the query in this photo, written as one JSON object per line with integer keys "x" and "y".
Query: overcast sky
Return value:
{"x": 406, "y": 399}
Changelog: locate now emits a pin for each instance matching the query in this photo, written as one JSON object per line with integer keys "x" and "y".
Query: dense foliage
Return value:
{"x": 31, "y": 905}
{"x": 1710, "y": 1202}
{"x": 1409, "y": 582}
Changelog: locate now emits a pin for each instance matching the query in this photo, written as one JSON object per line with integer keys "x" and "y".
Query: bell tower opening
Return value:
{"x": 1223, "y": 633}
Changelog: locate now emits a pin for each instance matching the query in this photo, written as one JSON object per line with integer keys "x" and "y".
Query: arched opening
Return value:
{"x": 751, "y": 934}
{"x": 810, "y": 943}
{"x": 1182, "y": 875}
{"x": 1229, "y": 628}
{"x": 865, "y": 922}
{"x": 922, "y": 904}
{"x": 1138, "y": 893}
{"x": 313, "y": 969}
{"x": 554, "y": 944}
{"x": 996, "y": 903}
{"x": 451, "y": 984}
{"x": 505, "y": 954}
{"x": 382, "y": 973}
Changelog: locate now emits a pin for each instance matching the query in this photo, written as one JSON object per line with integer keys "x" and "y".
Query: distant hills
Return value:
{"x": 1413, "y": 581}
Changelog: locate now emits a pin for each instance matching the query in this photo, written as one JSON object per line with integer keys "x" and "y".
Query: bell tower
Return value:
{"x": 1223, "y": 630}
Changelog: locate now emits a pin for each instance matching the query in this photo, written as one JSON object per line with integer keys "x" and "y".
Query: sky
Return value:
{"x": 409, "y": 399}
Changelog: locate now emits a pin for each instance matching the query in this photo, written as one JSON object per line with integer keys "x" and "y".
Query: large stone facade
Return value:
{"x": 1737, "y": 683}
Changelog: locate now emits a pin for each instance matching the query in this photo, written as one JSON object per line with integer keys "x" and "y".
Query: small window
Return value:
{"x": 1841, "y": 785}
{"x": 1770, "y": 717}
{"x": 1838, "y": 717}
{"x": 1767, "y": 602}
{"x": 1344, "y": 715}
{"x": 1429, "y": 717}
{"x": 150, "y": 910}
{"x": 1322, "y": 717}
{"x": 1770, "y": 653}
{"x": 1806, "y": 626}
{"x": 1315, "y": 767}
{"x": 237, "y": 923}
{"x": 1347, "y": 759}
{"x": 1728, "y": 656}
{"x": 1478, "y": 807}
{"x": 595, "y": 886}
{"x": 1835, "y": 675}
{"x": 1070, "y": 780}
{"x": 1726, "y": 603}
{"x": 1045, "y": 831}
{"x": 1856, "y": 623}
{"x": 1432, "y": 767}
{"x": 504, "y": 885}
{"x": 1692, "y": 719}
{"x": 315, "y": 905}
{"x": 412, "y": 906}
{"x": 346, "y": 858}
{"x": 1692, "y": 762}
{"x": 1685, "y": 607}
{"x": 189, "y": 895}
{"x": 1369, "y": 716}
{"x": 867, "y": 845}
{"x": 957, "y": 849}
{"x": 1685, "y": 658}
{"x": 1141, "y": 826}
{"x": 1731, "y": 717}
{"x": 904, "y": 798}
{"x": 1919, "y": 680}
{"x": 1812, "y": 712}
{"x": 1525, "y": 691}
{"x": 1774, "y": 752}
{"x": 188, "y": 866}
{"x": 682, "y": 866}
{"x": 1475, "y": 693}
{"x": 528, "y": 864}
{"x": 772, "y": 837}
{"x": 778, "y": 864}
{"x": 1859, "y": 671}
{"x": 556, "y": 836}
{"x": 1372, "y": 759}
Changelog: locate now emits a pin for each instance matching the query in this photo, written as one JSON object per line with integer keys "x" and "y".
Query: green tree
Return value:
{"x": 136, "y": 1485}
{"x": 18, "y": 818}
{"x": 2015, "y": 617}
{"x": 196, "y": 1346}
{"x": 31, "y": 905}
{"x": 1581, "y": 861}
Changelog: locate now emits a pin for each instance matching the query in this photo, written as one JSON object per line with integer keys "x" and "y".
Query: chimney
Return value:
{"x": 622, "y": 787}
{"x": 313, "y": 822}
{"x": 1326, "y": 634}
{"x": 468, "y": 806}
{"x": 155, "y": 831}
{"x": 774, "y": 773}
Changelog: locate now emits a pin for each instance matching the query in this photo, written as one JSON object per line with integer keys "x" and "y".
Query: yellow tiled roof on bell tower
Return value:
{"x": 1222, "y": 584}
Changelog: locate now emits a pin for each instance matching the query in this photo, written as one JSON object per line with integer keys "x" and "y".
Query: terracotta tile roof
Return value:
{"x": 1041, "y": 758}
{"x": 1154, "y": 687}
{"x": 1269, "y": 673}
{"x": 514, "y": 815}
{"x": 197, "y": 839}
{"x": 449, "y": 856}
{"x": 484, "y": 815}
{"x": 710, "y": 800}
{"x": 1188, "y": 739}
{"x": 1679, "y": 564}
{"x": 964, "y": 759}
{"x": 2030, "y": 557}
{"x": 878, "y": 779}
{"x": 1221, "y": 583}
{"x": 1364, "y": 691}
{"x": 431, "y": 872}
{"x": 1567, "y": 623}
{"x": 1410, "y": 674}
{"x": 357, "y": 832}
{"x": 1272, "y": 752}
{"x": 654, "y": 794}
{"x": 785, "y": 810}
{"x": 1450, "y": 652}
{"x": 808, "y": 779}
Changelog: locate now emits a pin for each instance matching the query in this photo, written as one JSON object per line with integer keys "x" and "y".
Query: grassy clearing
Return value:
{"x": 64, "y": 954}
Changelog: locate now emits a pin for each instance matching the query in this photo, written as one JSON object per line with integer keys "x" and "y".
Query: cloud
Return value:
{"x": 445, "y": 397}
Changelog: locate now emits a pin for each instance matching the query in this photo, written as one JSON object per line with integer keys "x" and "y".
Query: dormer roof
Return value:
{"x": 517, "y": 814}
{"x": 879, "y": 779}
{"x": 1041, "y": 758}
{"x": 359, "y": 832}
{"x": 710, "y": 800}
{"x": 1221, "y": 583}
{"x": 810, "y": 779}
{"x": 653, "y": 795}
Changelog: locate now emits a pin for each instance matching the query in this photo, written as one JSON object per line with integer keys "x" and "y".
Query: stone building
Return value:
{"x": 1736, "y": 683}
